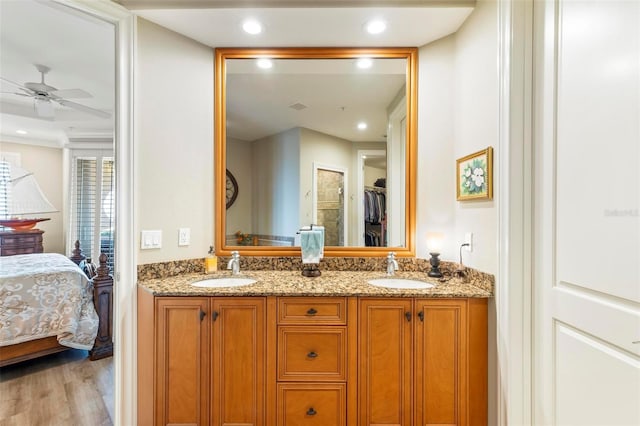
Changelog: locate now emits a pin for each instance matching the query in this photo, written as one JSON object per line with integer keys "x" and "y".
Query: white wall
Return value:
{"x": 276, "y": 184}
{"x": 458, "y": 115}
{"x": 46, "y": 165}
{"x": 476, "y": 125}
{"x": 239, "y": 163}
{"x": 174, "y": 141}
{"x": 436, "y": 172}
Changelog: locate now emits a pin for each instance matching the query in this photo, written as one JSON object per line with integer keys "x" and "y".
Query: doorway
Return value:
{"x": 329, "y": 204}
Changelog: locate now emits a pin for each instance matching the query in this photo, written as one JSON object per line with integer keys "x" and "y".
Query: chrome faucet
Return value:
{"x": 234, "y": 263}
{"x": 392, "y": 263}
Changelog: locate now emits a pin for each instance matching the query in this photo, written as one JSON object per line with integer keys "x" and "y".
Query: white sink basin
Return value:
{"x": 223, "y": 282}
{"x": 400, "y": 283}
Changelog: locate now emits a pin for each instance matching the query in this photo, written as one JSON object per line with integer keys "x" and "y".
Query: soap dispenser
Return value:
{"x": 211, "y": 262}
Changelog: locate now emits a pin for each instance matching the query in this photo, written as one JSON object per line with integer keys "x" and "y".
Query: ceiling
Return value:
{"x": 310, "y": 27}
{"x": 80, "y": 52}
{"x": 327, "y": 95}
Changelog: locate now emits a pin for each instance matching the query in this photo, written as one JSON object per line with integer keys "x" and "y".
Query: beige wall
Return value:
{"x": 458, "y": 115}
{"x": 173, "y": 142}
{"x": 46, "y": 165}
{"x": 239, "y": 163}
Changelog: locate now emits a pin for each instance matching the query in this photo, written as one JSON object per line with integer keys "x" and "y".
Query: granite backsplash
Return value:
{"x": 265, "y": 263}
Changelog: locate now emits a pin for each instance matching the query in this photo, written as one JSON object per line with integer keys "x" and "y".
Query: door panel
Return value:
{"x": 586, "y": 231}
{"x": 385, "y": 362}
{"x": 238, "y": 348}
{"x": 440, "y": 363}
{"x": 601, "y": 374}
{"x": 182, "y": 361}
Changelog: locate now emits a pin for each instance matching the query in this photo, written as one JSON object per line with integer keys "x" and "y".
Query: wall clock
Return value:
{"x": 232, "y": 189}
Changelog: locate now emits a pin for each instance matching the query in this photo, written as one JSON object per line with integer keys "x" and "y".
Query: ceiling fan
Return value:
{"x": 44, "y": 96}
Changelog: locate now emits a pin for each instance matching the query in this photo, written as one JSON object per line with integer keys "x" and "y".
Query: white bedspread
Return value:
{"x": 44, "y": 295}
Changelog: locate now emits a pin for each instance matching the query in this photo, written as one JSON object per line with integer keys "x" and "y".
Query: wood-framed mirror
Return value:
{"x": 323, "y": 136}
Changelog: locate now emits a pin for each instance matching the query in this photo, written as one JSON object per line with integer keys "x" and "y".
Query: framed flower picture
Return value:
{"x": 474, "y": 176}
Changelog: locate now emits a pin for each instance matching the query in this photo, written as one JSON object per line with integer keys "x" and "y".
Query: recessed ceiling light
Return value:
{"x": 364, "y": 63}
{"x": 252, "y": 26}
{"x": 264, "y": 63}
{"x": 375, "y": 26}
{"x": 362, "y": 125}
{"x": 21, "y": 132}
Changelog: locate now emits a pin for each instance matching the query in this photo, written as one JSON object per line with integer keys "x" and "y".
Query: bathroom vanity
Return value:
{"x": 333, "y": 350}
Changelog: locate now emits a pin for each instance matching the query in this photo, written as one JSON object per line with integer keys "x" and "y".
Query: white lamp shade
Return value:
{"x": 435, "y": 241}
{"x": 26, "y": 195}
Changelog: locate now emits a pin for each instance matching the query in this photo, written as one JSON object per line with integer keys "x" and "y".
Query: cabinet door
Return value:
{"x": 440, "y": 387}
{"x": 182, "y": 360}
{"x": 385, "y": 361}
{"x": 238, "y": 352}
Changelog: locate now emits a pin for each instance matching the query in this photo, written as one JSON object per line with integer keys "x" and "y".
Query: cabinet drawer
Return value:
{"x": 312, "y": 354}
{"x": 316, "y": 310}
{"x": 21, "y": 240}
{"x": 12, "y": 251}
{"x": 311, "y": 404}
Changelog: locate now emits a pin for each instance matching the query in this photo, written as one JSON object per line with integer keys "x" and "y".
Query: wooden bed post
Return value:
{"x": 103, "y": 302}
{"x": 77, "y": 254}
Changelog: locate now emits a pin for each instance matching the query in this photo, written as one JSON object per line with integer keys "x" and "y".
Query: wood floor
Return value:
{"x": 60, "y": 389}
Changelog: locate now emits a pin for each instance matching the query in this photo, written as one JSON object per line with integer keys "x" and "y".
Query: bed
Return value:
{"x": 48, "y": 305}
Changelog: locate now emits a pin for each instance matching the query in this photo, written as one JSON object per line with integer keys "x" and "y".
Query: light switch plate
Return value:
{"x": 150, "y": 240}
{"x": 184, "y": 236}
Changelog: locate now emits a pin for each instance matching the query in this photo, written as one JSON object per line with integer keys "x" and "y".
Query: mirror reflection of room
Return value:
{"x": 315, "y": 141}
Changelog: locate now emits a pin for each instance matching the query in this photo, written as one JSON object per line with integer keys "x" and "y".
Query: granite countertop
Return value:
{"x": 330, "y": 283}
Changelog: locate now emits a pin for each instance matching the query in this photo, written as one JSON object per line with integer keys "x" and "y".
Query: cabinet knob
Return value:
{"x": 312, "y": 354}
{"x": 312, "y": 311}
{"x": 311, "y": 412}
{"x": 407, "y": 315}
{"x": 214, "y": 315}
{"x": 421, "y": 316}
{"x": 202, "y": 315}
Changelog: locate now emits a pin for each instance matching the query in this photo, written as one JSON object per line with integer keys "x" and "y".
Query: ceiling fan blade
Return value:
{"x": 28, "y": 91}
{"x": 44, "y": 108}
{"x": 71, "y": 93}
{"x": 84, "y": 108}
{"x": 15, "y": 93}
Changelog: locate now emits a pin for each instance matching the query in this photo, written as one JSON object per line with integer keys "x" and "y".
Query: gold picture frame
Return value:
{"x": 474, "y": 176}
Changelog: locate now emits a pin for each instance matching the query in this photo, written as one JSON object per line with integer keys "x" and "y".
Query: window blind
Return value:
{"x": 93, "y": 206}
{"x": 5, "y": 189}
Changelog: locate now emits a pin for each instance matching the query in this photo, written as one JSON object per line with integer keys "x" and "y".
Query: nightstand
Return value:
{"x": 21, "y": 242}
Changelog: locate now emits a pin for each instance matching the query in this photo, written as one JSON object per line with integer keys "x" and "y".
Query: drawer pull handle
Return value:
{"x": 311, "y": 412}
{"x": 312, "y": 355}
{"x": 312, "y": 311}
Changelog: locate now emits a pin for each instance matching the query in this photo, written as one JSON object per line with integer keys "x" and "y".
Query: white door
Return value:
{"x": 586, "y": 213}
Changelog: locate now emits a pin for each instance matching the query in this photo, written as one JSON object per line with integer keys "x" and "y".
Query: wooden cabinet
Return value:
{"x": 262, "y": 361}
{"x": 21, "y": 242}
{"x": 201, "y": 360}
{"x": 426, "y": 353}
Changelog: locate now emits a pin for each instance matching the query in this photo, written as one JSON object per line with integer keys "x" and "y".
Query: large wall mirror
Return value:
{"x": 322, "y": 136}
